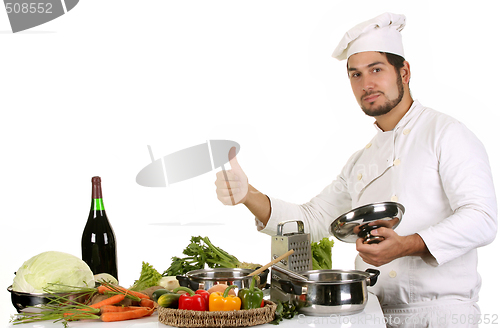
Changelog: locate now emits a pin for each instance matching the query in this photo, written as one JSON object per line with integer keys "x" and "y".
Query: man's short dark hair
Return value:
{"x": 395, "y": 60}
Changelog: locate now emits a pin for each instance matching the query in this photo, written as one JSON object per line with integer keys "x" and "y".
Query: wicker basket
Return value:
{"x": 240, "y": 318}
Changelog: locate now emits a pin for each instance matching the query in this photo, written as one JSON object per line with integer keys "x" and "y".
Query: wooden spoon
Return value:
{"x": 276, "y": 260}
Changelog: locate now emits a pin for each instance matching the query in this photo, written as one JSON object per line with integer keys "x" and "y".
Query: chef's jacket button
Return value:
{"x": 368, "y": 146}
{"x": 406, "y": 131}
{"x": 397, "y": 162}
{"x": 393, "y": 274}
{"x": 394, "y": 198}
{"x": 360, "y": 176}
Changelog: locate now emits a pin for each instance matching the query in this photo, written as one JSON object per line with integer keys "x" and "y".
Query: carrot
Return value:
{"x": 147, "y": 303}
{"x": 102, "y": 289}
{"x": 105, "y": 288}
{"x": 83, "y": 313}
{"x": 115, "y": 308}
{"x": 133, "y": 314}
{"x": 108, "y": 301}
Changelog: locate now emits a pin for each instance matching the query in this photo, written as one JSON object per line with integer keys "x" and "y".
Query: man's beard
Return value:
{"x": 389, "y": 104}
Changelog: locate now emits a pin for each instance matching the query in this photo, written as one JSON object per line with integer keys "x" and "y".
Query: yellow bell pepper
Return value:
{"x": 223, "y": 301}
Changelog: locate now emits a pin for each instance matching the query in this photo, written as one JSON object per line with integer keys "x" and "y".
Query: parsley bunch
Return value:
{"x": 201, "y": 252}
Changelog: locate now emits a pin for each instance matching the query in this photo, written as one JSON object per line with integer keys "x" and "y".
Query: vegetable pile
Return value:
{"x": 201, "y": 251}
{"x": 212, "y": 300}
{"x": 109, "y": 307}
{"x": 56, "y": 272}
{"x": 219, "y": 298}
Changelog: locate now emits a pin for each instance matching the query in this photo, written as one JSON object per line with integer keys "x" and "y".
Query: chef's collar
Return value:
{"x": 414, "y": 111}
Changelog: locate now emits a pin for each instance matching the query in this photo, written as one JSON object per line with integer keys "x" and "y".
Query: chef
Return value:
{"x": 427, "y": 161}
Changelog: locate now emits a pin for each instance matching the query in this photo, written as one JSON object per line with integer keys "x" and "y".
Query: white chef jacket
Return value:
{"x": 439, "y": 170}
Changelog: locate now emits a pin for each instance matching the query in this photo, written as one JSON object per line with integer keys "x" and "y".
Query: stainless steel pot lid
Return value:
{"x": 220, "y": 274}
{"x": 336, "y": 277}
{"x": 354, "y": 224}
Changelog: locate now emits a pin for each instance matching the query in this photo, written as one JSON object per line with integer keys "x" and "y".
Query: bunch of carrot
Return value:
{"x": 107, "y": 310}
{"x": 111, "y": 312}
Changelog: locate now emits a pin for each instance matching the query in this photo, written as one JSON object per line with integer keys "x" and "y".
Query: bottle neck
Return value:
{"x": 97, "y": 204}
{"x": 96, "y": 188}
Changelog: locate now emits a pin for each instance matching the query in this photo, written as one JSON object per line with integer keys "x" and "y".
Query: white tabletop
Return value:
{"x": 370, "y": 317}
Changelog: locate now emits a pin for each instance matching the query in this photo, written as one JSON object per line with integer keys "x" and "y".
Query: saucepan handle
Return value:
{"x": 186, "y": 282}
{"x": 288, "y": 287}
{"x": 373, "y": 276}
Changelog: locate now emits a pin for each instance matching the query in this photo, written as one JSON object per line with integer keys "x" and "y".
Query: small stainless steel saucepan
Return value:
{"x": 207, "y": 278}
{"x": 327, "y": 292}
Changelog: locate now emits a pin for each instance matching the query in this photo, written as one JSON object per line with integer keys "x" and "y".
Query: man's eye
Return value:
{"x": 354, "y": 75}
{"x": 376, "y": 70}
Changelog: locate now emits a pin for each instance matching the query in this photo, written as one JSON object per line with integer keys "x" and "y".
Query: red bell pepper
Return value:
{"x": 190, "y": 300}
{"x": 205, "y": 294}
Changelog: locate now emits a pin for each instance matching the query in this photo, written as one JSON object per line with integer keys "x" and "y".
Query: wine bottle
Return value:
{"x": 98, "y": 239}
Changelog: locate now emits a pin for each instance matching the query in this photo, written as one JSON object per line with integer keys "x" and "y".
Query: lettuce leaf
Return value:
{"x": 322, "y": 254}
{"x": 149, "y": 278}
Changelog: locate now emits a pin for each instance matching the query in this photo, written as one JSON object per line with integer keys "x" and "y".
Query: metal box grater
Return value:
{"x": 300, "y": 260}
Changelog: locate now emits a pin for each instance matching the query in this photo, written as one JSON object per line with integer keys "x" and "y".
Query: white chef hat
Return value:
{"x": 381, "y": 33}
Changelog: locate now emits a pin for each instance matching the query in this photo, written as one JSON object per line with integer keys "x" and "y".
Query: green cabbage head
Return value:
{"x": 52, "y": 267}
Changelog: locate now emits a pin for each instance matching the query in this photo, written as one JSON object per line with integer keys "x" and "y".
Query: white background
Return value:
{"x": 85, "y": 94}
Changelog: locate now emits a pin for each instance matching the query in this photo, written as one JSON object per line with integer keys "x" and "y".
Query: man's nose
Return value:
{"x": 368, "y": 83}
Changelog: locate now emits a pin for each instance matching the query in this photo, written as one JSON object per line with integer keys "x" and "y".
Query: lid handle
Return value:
{"x": 300, "y": 226}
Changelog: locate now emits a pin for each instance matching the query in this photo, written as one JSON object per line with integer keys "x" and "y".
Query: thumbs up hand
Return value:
{"x": 232, "y": 185}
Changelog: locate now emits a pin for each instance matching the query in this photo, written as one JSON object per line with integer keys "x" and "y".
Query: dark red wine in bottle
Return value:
{"x": 98, "y": 239}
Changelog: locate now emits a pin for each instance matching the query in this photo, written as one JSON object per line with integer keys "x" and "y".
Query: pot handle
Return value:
{"x": 288, "y": 287}
{"x": 373, "y": 276}
{"x": 263, "y": 276}
{"x": 186, "y": 282}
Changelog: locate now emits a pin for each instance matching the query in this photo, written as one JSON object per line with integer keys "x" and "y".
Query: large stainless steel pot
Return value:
{"x": 207, "y": 278}
{"x": 327, "y": 292}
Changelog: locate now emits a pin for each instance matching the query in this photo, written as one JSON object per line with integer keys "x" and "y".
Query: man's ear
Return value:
{"x": 405, "y": 72}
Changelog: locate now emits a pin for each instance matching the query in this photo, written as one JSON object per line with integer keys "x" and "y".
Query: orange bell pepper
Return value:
{"x": 223, "y": 301}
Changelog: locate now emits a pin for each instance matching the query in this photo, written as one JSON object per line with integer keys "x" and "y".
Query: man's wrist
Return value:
{"x": 249, "y": 197}
{"x": 415, "y": 246}
{"x": 259, "y": 204}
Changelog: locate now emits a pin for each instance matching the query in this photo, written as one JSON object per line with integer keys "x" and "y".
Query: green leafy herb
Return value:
{"x": 201, "y": 252}
{"x": 284, "y": 310}
{"x": 322, "y": 254}
{"x": 149, "y": 278}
